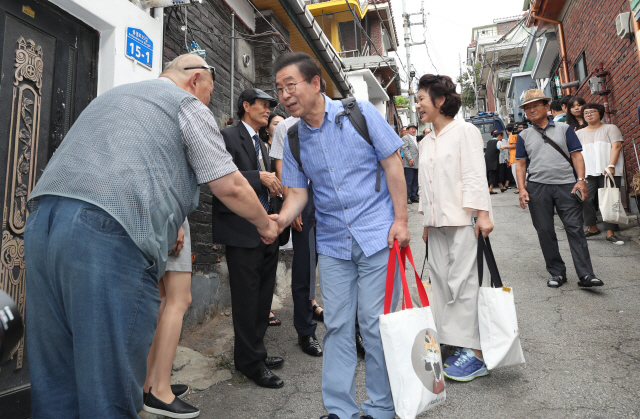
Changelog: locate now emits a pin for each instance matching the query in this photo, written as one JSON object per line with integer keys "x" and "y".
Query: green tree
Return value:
{"x": 402, "y": 101}
{"x": 467, "y": 85}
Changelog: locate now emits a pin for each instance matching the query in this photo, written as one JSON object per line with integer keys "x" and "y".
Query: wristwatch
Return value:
{"x": 583, "y": 179}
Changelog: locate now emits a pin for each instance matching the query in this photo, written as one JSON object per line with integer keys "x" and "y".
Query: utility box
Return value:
{"x": 623, "y": 25}
{"x": 597, "y": 85}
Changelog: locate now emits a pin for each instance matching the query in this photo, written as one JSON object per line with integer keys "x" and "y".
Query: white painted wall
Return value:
{"x": 111, "y": 18}
{"x": 364, "y": 83}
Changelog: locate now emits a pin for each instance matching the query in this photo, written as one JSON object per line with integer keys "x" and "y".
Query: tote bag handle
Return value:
{"x": 484, "y": 248}
{"x": 400, "y": 255}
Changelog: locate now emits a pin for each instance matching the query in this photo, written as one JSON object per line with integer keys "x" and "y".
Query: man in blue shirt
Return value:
{"x": 552, "y": 184}
{"x": 356, "y": 226}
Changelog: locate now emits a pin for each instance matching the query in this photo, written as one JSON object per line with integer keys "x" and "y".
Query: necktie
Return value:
{"x": 264, "y": 192}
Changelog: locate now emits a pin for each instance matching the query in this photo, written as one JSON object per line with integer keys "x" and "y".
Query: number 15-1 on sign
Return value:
{"x": 139, "y": 47}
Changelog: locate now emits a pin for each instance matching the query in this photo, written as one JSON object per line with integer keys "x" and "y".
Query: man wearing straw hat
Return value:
{"x": 556, "y": 180}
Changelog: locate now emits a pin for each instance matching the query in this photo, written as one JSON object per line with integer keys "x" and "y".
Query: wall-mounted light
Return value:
{"x": 167, "y": 3}
{"x": 329, "y": 15}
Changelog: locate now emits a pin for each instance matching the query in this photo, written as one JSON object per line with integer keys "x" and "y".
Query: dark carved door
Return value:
{"x": 48, "y": 78}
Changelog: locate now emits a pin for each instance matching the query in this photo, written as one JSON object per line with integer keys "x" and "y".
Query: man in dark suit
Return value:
{"x": 252, "y": 263}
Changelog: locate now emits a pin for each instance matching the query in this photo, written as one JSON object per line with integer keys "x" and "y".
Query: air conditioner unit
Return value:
{"x": 623, "y": 25}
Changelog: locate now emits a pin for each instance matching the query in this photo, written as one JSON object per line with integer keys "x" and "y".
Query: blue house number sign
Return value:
{"x": 139, "y": 47}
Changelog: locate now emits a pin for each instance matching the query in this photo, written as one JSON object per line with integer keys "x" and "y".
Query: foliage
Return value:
{"x": 402, "y": 101}
{"x": 467, "y": 85}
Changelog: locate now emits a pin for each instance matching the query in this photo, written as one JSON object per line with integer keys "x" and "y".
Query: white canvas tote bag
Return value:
{"x": 499, "y": 333}
{"x": 610, "y": 203}
{"x": 411, "y": 348}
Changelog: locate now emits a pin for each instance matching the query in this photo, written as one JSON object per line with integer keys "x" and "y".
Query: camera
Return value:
{"x": 11, "y": 326}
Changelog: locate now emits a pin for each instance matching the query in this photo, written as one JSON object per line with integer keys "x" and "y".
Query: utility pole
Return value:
{"x": 407, "y": 45}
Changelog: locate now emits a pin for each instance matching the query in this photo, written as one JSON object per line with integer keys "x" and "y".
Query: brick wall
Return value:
{"x": 267, "y": 51}
{"x": 215, "y": 17}
{"x": 505, "y": 27}
{"x": 375, "y": 34}
{"x": 589, "y": 26}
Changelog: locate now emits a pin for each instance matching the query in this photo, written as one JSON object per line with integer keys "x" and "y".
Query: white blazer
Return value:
{"x": 452, "y": 176}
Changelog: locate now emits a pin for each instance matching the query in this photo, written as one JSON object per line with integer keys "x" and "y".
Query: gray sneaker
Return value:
{"x": 615, "y": 240}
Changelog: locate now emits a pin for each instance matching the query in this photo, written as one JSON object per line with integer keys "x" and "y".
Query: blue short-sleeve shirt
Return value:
{"x": 342, "y": 167}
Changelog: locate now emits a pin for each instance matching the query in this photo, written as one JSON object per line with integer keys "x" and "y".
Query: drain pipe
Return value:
{"x": 636, "y": 29}
{"x": 605, "y": 93}
{"x": 563, "y": 49}
{"x": 233, "y": 65}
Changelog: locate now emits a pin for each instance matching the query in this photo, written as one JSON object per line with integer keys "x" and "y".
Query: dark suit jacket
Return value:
{"x": 228, "y": 228}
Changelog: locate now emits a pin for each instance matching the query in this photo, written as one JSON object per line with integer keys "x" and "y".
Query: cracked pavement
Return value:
{"x": 582, "y": 346}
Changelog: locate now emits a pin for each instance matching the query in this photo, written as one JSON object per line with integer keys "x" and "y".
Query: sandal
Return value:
{"x": 319, "y": 317}
{"x": 273, "y": 320}
{"x": 588, "y": 233}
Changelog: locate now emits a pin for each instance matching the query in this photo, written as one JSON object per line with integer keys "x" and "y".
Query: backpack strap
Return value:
{"x": 294, "y": 144}
{"x": 352, "y": 111}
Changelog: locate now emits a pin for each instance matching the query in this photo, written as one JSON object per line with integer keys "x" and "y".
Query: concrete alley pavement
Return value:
{"x": 582, "y": 346}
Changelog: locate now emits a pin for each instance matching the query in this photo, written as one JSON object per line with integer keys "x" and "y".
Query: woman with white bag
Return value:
{"x": 601, "y": 150}
{"x": 454, "y": 199}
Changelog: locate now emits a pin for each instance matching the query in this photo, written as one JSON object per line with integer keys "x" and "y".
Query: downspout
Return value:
{"x": 233, "y": 64}
{"x": 563, "y": 48}
{"x": 636, "y": 29}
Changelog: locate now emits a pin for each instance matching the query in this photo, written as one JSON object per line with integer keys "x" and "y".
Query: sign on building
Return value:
{"x": 139, "y": 47}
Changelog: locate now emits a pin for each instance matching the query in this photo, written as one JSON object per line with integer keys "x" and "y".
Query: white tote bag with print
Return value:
{"x": 610, "y": 203}
{"x": 499, "y": 332}
{"x": 411, "y": 348}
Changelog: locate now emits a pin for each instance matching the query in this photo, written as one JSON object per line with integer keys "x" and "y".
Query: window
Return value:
{"x": 580, "y": 68}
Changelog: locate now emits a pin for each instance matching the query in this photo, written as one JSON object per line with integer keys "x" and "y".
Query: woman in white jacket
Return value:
{"x": 454, "y": 199}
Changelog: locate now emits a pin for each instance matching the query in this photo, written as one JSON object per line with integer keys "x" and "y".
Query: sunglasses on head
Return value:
{"x": 211, "y": 69}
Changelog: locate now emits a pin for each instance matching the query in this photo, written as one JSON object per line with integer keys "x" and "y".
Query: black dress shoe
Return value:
{"x": 329, "y": 416}
{"x": 409, "y": 202}
{"x": 590, "y": 281}
{"x": 176, "y": 409}
{"x": 265, "y": 378}
{"x": 179, "y": 390}
{"x": 273, "y": 361}
{"x": 310, "y": 345}
{"x": 360, "y": 345}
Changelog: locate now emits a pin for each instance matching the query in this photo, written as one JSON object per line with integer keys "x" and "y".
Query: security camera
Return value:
{"x": 167, "y": 3}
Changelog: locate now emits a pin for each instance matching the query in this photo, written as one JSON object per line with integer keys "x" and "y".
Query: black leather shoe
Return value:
{"x": 176, "y": 409}
{"x": 265, "y": 378}
{"x": 179, "y": 390}
{"x": 590, "y": 281}
{"x": 366, "y": 417}
{"x": 360, "y": 345}
{"x": 273, "y": 361}
{"x": 310, "y": 345}
{"x": 556, "y": 281}
{"x": 409, "y": 202}
{"x": 329, "y": 416}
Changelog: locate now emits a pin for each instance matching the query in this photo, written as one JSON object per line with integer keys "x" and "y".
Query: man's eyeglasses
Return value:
{"x": 289, "y": 88}
{"x": 211, "y": 69}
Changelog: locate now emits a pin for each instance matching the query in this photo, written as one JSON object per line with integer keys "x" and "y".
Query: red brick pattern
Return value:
{"x": 589, "y": 26}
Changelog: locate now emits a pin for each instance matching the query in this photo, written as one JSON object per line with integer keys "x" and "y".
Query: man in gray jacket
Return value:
{"x": 410, "y": 163}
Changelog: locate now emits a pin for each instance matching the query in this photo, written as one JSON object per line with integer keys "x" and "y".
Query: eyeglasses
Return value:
{"x": 589, "y": 113}
{"x": 211, "y": 69}
{"x": 290, "y": 88}
{"x": 529, "y": 108}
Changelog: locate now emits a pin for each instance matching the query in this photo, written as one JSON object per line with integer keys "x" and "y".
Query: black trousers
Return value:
{"x": 252, "y": 276}
{"x": 590, "y": 205}
{"x": 542, "y": 200}
{"x": 411, "y": 177}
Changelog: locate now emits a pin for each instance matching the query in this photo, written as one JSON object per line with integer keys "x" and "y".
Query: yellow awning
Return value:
{"x": 335, "y": 6}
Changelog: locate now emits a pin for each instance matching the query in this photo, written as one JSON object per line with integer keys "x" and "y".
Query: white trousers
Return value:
{"x": 513, "y": 170}
{"x": 454, "y": 280}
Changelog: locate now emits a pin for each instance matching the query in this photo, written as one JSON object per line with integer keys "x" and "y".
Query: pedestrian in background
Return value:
{"x": 410, "y": 163}
{"x": 556, "y": 111}
{"x": 266, "y": 133}
{"x": 511, "y": 148}
{"x": 503, "y": 162}
{"x": 454, "y": 199}
{"x": 175, "y": 298}
{"x": 99, "y": 291}
{"x": 356, "y": 227}
{"x": 491, "y": 160}
{"x": 602, "y": 151}
{"x": 552, "y": 184}
{"x": 574, "y": 116}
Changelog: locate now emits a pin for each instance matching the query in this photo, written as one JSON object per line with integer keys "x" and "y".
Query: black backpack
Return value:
{"x": 352, "y": 111}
